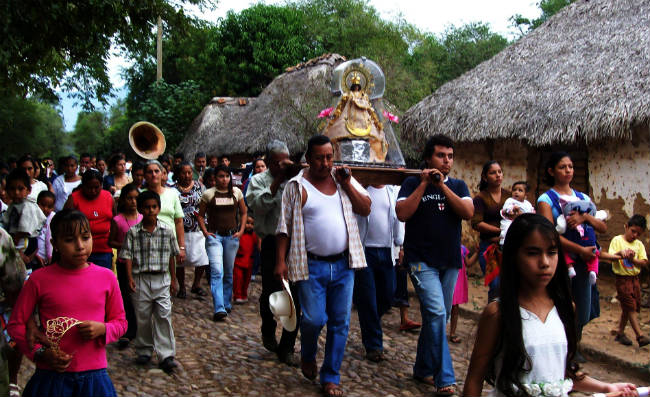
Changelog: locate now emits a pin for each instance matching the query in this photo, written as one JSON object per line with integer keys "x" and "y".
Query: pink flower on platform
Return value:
{"x": 391, "y": 117}
{"x": 325, "y": 112}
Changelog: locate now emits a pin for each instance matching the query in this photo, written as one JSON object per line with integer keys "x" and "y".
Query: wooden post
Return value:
{"x": 159, "y": 51}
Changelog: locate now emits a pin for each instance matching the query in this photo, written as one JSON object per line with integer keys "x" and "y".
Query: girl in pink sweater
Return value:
{"x": 89, "y": 299}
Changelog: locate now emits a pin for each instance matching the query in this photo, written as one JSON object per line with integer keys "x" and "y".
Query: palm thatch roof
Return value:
{"x": 287, "y": 109}
{"x": 582, "y": 76}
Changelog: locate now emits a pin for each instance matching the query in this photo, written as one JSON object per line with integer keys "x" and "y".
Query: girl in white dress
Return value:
{"x": 526, "y": 340}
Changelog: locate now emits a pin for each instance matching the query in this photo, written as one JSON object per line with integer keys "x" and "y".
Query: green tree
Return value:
{"x": 66, "y": 43}
{"x": 172, "y": 107}
{"x": 548, "y": 8}
{"x": 89, "y": 132}
{"x": 30, "y": 126}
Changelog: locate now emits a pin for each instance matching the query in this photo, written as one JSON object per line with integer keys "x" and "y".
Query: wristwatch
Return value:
{"x": 39, "y": 353}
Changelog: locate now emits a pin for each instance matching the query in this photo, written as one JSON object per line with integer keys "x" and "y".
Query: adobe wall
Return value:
{"x": 619, "y": 179}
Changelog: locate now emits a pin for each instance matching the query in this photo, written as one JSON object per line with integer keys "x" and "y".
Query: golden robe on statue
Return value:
{"x": 355, "y": 119}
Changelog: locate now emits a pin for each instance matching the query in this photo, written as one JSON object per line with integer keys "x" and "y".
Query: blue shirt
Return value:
{"x": 545, "y": 198}
{"x": 433, "y": 232}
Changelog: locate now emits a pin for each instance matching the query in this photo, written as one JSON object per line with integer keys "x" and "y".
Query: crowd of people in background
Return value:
{"x": 317, "y": 233}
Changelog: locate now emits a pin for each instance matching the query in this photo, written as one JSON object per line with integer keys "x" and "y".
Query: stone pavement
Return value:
{"x": 228, "y": 359}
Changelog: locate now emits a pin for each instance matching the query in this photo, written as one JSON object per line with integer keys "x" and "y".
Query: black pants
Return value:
{"x": 270, "y": 285}
{"x": 123, "y": 281}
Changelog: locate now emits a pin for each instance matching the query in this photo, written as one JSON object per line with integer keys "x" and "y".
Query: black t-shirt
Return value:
{"x": 433, "y": 232}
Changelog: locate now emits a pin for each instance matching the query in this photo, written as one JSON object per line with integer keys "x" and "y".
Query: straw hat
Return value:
{"x": 282, "y": 307}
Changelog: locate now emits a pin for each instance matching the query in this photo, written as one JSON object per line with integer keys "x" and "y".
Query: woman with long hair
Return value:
{"x": 226, "y": 212}
{"x": 526, "y": 340}
{"x": 559, "y": 175}
{"x": 487, "y": 214}
{"x": 118, "y": 177}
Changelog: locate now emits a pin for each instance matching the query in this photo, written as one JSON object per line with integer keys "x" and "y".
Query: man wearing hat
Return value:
{"x": 317, "y": 217}
{"x": 264, "y": 197}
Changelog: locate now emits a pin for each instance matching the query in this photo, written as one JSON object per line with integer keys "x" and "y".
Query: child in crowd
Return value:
{"x": 3, "y": 194}
{"x": 526, "y": 340}
{"x": 23, "y": 220}
{"x": 248, "y": 242}
{"x": 460, "y": 292}
{"x": 45, "y": 201}
{"x": 515, "y": 206}
{"x": 149, "y": 250}
{"x": 82, "y": 299}
{"x": 633, "y": 257}
{"x": 209, "y": 178}
{"x": 127, "y": 217}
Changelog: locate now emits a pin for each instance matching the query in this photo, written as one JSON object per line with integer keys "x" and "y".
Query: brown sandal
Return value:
{"x": 427, "y": 380}
{"x": 447, "y": 391}
{"x": 332, "y": 390}
{"x": 642, "y": 340}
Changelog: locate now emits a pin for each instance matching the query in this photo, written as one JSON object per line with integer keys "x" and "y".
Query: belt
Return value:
{"x": 329, "y": 258}
{"x": 227, "y": 233}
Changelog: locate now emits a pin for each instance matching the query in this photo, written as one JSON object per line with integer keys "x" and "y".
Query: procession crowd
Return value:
{"x": 94, "y": 251}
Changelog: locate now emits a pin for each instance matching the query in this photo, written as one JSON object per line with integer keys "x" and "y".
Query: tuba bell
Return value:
{"x": 146, "y": 140}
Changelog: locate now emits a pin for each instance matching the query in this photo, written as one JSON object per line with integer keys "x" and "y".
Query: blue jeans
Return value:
{"x": 374, "y": 287}
{"x": 86, "y": 383}
{"x": 103, "y": 259}
{"x": 435, "y": 289}
{"x": 326, "y": 298}
{"x": 221, "y": 255}
{"x": 581, "y": 289}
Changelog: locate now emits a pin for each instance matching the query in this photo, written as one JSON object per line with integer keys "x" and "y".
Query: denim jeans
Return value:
{"x": 581, "y": 290}
{"x": 374, "y": 287}
{"x": 85, "y": 383}
{"x": 221, "y": 255}
{"x": 103, "y": 259}
{"x": 435, "y": 289}
{"x": 326, "y": 298}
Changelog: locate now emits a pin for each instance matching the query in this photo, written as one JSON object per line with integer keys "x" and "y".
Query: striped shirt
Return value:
{"x": 291, "y": 224}
{"x": 150, "y": 252}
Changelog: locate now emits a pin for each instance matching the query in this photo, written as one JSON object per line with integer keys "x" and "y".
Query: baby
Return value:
{"x": 515, "y": 206}
{"x": 582, "y": 234}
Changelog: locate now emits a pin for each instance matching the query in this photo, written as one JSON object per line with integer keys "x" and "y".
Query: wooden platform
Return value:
{"x": 381, "y": 175}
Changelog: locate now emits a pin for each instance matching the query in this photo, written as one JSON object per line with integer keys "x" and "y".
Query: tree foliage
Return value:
{"x": 548, "y": 8}
{"x": 66, "y": 43}
{"x": 90, "y": 132}
{"x": 30, "y": 126}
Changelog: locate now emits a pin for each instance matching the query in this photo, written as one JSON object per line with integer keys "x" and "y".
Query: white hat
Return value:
{"x": 282, "y": 307}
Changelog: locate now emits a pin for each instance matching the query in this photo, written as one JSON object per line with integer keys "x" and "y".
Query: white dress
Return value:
{"x": 546, "y": 345}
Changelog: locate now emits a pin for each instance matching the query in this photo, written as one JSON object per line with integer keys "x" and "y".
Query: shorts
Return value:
{"x": 628, "y": 290}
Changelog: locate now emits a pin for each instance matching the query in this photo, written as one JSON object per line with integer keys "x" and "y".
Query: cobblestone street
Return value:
{"x": 228, "y": 359}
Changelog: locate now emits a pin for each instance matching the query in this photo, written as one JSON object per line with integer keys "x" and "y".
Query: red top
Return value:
{"x": 247, "y": 244}
{"x": 89, "y": 294}
{"x": 99, "y": 213}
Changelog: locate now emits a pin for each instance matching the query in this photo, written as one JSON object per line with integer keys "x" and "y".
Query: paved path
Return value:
{"x": 228, "y": 359}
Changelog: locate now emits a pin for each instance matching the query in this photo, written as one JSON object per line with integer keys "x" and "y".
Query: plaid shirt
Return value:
{"x": 150, "y": 252}
{"x": 291, "y": 224}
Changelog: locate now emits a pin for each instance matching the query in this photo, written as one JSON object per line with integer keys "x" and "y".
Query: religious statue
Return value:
{"x": 356, "y": 125}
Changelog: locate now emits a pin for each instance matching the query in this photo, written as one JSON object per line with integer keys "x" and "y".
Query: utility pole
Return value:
{"x": 159, "y": 51}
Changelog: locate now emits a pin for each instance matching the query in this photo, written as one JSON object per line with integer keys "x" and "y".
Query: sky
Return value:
{"x": 432, "y": 16}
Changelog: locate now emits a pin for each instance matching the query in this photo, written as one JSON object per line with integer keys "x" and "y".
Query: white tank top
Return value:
{"x": 379, "y": 228}
{"x": 325, "y": 230}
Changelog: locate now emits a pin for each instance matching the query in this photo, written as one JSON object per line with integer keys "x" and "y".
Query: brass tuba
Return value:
{"x": 146, "y": 140}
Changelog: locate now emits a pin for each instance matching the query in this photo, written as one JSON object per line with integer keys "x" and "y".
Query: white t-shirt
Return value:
{"x": 379, "y": 225}
{"x": 37, "y": 187}
{"x": 322, "y": 215}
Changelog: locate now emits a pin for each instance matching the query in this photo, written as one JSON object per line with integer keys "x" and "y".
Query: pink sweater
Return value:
{"x": 91, "y": 293}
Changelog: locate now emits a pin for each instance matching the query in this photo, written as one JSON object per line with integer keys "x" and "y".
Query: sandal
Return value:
{"x": 14, "y": 390}
{"x": 309, "y": 370}
{"x": 642, "y": 340}
{"x": 199, "y": 291}
{"x": 182, "y": 294}
{"x": 332, "y": 390}
{"x": 454, "y": 339}
{"x": 447, "y": 391}
{"x": 623, "y": 340}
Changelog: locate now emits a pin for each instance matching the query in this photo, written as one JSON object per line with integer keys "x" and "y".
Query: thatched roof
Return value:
{"x": 287, "y": 109}
{"x": 582, "y": 76}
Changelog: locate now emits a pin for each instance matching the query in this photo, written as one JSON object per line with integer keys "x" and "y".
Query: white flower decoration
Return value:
{"x": 567, "y": 386}
{"x": 552, "y": 389}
